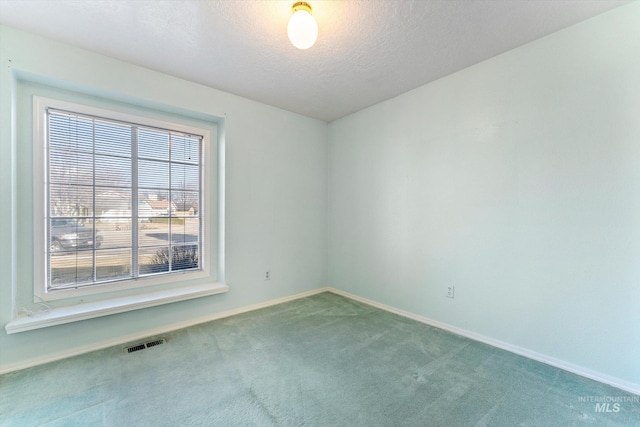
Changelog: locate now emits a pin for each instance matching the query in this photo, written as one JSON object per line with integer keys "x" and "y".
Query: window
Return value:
{"x": 123, "y": 200}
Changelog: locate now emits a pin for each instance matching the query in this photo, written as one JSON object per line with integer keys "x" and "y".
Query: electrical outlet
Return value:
{"x": 450, "y": 290}
{"x": 267, "y": 275}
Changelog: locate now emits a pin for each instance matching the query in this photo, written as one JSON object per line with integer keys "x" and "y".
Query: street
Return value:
{"x": 113, "y": 257}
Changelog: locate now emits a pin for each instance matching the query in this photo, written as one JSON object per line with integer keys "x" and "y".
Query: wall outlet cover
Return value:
{"x": 450, "y": 291}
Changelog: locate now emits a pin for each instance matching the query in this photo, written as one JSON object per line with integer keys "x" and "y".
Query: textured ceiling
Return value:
{"x": 367, "y": 50}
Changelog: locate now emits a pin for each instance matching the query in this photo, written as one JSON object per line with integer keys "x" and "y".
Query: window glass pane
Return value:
{"x": 70, "y": 200}
{"x": 112, "y": 203}
{"x": 71, "y": 167}
{"x": 153, "y": 174}
{"x": 185, "y": 149}
{"x": 70, "y": 268}
{"x": 153, "y": 260}
{"x": 112, "y": 138}
{"x": 153, "y": 232}
{"x": 185, "y": 230}
{"x": 113, "y": 264}
{"x": 186, "y": 202}
{"x": 144, "y": 208}
{"x": 184, "y": 177}
{"x": 70, "y": 234}
{"x": 113, "y": 171}
{"x": 114, "y": 233}
{"x": 154, "y": 203}
{"x": 153, "y": 144}
{"x": 70, "y": 133}
{"x": 184, "y": 257}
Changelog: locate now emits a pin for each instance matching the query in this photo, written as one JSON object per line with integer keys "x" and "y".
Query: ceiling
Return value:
{"x": 367, "y": 50}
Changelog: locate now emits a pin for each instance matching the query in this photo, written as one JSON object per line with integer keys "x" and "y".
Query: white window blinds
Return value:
{"x": 123, "y": 200}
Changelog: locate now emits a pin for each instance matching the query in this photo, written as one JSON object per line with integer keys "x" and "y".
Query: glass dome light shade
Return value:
{"x": 302, "y": 28}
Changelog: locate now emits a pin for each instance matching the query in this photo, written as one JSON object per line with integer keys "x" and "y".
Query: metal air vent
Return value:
{"x": 142, "y": 346}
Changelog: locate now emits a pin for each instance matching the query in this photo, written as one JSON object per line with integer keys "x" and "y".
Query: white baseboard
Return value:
{"x": 126, "y": 339}
{"x": 569, "y": 367}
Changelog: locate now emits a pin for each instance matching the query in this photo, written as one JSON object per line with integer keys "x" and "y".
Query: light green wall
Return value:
{"x": 276, "y": 181}
{"x": 516, "y": 180}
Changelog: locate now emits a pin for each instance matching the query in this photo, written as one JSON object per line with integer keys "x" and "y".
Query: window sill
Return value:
{"x": 61, "y": 315}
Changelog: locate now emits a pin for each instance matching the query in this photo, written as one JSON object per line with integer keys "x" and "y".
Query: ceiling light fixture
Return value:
{"x": 302, "y": 28}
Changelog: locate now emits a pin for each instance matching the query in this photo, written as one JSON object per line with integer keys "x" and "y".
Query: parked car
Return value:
{"x": 70, "y": 234}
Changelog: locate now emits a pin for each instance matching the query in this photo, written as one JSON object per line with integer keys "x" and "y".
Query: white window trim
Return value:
{"x": 40, "y": 105}
{"x": 74, "y": 313}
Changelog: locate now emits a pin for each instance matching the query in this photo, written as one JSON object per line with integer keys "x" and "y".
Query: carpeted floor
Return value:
{"x": 318, "y": 361}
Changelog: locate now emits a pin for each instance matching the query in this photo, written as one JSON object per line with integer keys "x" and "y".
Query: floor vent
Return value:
{"x": 155, "y": 343}
{"x": 135, "y": 348}
{"x": 142, "y": 346}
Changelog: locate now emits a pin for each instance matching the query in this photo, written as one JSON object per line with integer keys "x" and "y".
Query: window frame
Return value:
{"x": 40, "y": 204}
